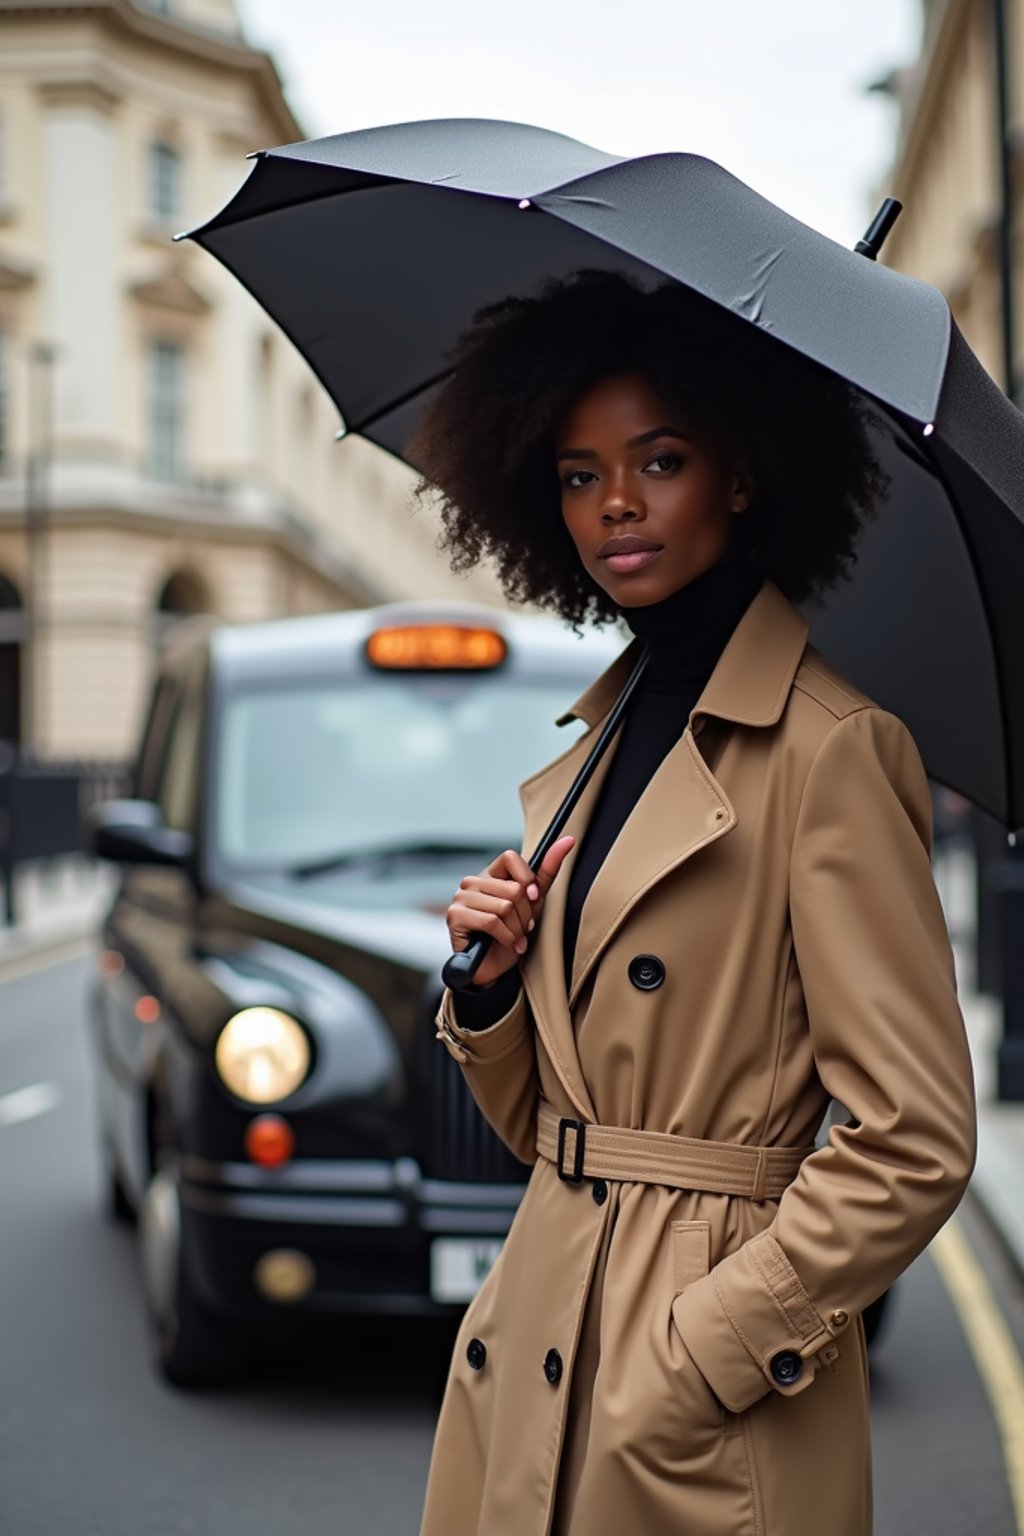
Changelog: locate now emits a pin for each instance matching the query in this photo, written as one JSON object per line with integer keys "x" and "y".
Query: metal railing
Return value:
{"x": 43, "y": 805}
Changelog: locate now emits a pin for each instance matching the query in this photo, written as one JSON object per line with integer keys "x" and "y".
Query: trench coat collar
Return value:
{"x": 751, "y": 682}
{"x": 682, "y": 810}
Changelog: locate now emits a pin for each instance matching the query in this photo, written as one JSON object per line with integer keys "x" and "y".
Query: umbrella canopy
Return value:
{"x": 372, "y": 250}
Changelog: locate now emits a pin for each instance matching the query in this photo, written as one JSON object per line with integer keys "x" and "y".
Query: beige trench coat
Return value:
{"x": 778, "y": 867}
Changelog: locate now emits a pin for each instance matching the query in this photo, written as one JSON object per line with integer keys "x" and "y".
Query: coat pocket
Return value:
{"x": 691, "y": 1252}
{"x": 691, "y": 1260}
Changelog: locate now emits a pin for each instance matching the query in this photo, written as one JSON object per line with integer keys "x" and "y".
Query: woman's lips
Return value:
{"x": 633, "y": 561}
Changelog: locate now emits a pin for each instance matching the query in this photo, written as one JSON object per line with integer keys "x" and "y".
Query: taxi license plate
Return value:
{"x": 459, "y": 1266}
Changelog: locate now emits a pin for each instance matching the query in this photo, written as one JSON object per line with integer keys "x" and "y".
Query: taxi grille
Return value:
{"x": 460, "y": 1144}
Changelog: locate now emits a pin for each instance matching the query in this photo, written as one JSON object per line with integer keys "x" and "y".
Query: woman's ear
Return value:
{"x": 741, "y": 493}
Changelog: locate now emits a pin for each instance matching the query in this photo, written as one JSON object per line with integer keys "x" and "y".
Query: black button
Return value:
{"x": 786, "y": 1367}
{"x": 553, "y": 1367}
{"x": 476, "y": 1354}
{"x": 599, "y": 1191}
{"x": 646, "y": 972}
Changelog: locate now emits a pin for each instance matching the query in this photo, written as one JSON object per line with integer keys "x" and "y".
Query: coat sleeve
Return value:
{"x": 879, "y": 988}
{"x": 500, "y": 1066}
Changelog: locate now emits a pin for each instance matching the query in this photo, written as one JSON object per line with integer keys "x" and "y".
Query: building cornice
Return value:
{"x": 98, "y": 95}
{"x": 149, "y": 508}
{"x": 306, "y": 552}
{"x": 170, "y": 289}
{"x": 176, "y": 35}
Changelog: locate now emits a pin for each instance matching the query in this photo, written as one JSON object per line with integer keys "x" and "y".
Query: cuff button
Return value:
{"x": 786, "y": 1367}
{"x": 839, "y": 1319}
{"x": 476, "y": 1354}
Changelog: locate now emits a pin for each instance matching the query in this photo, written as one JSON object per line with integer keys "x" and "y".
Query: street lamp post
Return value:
{"x": 1006, "y": 198}
{"x": 1009, "y": 872}
{"x": 42, "y": 355}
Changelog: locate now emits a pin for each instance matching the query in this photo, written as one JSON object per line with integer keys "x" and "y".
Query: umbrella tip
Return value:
{"x": 929, "y": 428}
{"x": 524, "y": 202}
{"x": 879, "y": 228}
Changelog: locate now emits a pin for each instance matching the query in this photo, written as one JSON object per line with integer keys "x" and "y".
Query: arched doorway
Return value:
{"x": 12, "y": 635}
{"x": 182, "y": 595}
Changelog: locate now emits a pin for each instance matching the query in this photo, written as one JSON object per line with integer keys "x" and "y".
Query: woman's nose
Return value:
{"x": 621, "y": 505}
{"x": 620, "y": 512}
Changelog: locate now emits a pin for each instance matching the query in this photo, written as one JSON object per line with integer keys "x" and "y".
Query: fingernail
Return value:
{"x": 532, "y": 892}
{"x": 521, "y": 945}
{"x": 531, "y": 925}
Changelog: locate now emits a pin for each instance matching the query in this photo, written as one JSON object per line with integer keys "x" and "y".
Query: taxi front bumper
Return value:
{"x": 367, "y": 1228}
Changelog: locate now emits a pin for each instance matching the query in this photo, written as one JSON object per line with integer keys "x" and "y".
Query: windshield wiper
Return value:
{"x": 384, "y": 853}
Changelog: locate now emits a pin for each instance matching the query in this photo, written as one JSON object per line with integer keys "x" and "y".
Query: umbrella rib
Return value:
{"x": 397, "y": 402}
{"x": 220, "y": 221}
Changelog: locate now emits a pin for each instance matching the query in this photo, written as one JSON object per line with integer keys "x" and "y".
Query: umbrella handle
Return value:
{"x": 459, "y": 969}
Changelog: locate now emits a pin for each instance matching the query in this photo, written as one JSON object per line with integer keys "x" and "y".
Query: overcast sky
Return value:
{"x": 775, "y": 92}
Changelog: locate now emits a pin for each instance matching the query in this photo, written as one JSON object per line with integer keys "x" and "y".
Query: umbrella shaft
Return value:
{"x": 460, "y": 968}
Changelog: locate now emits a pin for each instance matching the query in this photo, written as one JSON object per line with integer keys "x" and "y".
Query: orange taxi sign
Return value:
{"x": 446, "y": 647}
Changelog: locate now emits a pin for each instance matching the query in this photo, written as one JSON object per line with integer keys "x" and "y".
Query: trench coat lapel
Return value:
{"x": 543, "y": 969}
{"x": 684, "y": 808}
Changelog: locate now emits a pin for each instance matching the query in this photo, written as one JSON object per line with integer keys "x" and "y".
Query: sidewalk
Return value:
{"x": 57, "y": 904}
{"x": 998, "y": 1183}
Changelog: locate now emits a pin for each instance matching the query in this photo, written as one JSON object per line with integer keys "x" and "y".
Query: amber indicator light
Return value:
{"x": 444, "y": 647}
{"x": 269, "y": 1141}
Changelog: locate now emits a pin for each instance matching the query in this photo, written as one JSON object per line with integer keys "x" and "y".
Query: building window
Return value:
{"x": 182, "y": 595}
{"x": 262, "y": 447}
{"x": 164, "y": 183}
{"x": 166, "y": 409}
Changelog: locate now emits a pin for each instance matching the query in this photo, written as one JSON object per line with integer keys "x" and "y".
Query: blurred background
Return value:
{"x": 164, "y": 454}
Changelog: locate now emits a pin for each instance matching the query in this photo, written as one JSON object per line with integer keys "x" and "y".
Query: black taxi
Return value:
{"x": 273, "y": 1107}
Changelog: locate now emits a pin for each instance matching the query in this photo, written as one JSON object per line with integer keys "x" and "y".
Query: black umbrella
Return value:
{"x": 373, "y": 249}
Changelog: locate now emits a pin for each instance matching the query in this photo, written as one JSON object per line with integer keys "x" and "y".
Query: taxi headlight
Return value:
{"x": 262, "y": 1055}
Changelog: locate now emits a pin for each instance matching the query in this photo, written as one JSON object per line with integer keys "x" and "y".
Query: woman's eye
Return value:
{"x": 664, "y": 462}
{"x": 573, "y": 478}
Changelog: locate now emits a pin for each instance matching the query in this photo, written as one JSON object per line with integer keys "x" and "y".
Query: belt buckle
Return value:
{"x": 576, "y": 1177}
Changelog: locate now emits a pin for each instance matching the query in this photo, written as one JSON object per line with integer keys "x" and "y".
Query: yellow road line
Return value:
{"x": 60, "y": 953}
{"x": 993, "y": 1347}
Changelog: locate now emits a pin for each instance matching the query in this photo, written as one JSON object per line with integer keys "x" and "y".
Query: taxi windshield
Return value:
{"x": 311, "y": 769}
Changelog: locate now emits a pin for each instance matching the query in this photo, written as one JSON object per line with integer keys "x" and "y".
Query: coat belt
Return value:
{"x": 582, "y": 1151}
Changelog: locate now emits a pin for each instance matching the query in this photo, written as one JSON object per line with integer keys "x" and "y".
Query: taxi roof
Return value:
{"x": 333, "y": 643}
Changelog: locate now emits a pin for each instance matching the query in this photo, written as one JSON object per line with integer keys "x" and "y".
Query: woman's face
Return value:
{"x": 648, "y": 507}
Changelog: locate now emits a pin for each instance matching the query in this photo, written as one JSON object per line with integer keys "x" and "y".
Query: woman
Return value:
{"x": 740, "y": 923}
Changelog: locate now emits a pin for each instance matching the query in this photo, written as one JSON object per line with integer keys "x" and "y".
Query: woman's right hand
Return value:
{"x": 505, "y": 902}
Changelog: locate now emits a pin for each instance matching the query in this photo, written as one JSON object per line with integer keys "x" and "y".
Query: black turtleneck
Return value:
{"x": 685, "y": 634}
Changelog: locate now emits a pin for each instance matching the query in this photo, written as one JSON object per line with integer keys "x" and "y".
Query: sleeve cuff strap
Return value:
{"x": 742, "y": 1317}
{"x": 481, "y": 1045}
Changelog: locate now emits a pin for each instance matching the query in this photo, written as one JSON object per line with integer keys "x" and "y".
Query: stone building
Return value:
{"x": 163, "y": 450}
{"x": 946, "y": 171}
{"x": 946, "y": 166}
